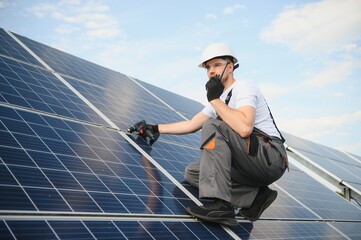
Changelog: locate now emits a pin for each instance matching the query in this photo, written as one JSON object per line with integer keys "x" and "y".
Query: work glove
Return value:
{"x": 148, "y": 132}
{"x": 214, "y": 88}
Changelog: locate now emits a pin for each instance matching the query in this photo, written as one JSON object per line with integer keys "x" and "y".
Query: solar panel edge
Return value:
{"x": 102, "y": 115}
{"x": 154, "y": 162}
{"x": 345, "y": 189}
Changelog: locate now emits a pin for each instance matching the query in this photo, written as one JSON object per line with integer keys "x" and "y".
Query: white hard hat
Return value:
{"x": 217, "y": 50}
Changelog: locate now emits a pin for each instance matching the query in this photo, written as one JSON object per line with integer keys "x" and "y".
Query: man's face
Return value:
{"x": 215, "y": 67}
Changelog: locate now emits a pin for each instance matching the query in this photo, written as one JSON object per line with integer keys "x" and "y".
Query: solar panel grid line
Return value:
{"x": 337, "y": 162}
{"x": 7, "y": 47}
{"x": 41, "y": 170}
{"x": 105, "y": 89}
{"x": 47, "y": 178}
{"x": 336, "y": 181}
{"x": 312, "y": 164}
{"x": 39, "y": 90}
{"x": 102, "y": 115}
{"x": 174, "y": 172}
{"x": 166, "y": 104}
{"x": 121, "y": 133}
{"x": 29, "y": 51}
{"x": 309, "y": 209}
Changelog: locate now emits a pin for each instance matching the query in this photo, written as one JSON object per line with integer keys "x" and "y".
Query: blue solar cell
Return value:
{"x": 31, "y": 230}
{"x": 158, "y": 230}
{"x": 334, "y": 161}
{"x": 209, "y": 231}
{"x": 155, "y": 205}
{"x": 73, "y": 164}
{"x": 65, "y": 169}
{"x": 137, "y": 186}
{"x": 115, "y": 184}
{"x": 62, "y": 179}
{"x": 44, "y": 131}
{"x": 71, "y": 230}
{"x": 185, "y": 106}
{"x": 5, "y": 232}
{"x": 59, "y": 147}
{"x": 80, "y": 201}
{"x": 133, "y": 203}
{"x": 288, "y": 230}
{"x": 133, "y": 230}
{"x": 39, "y": 89}
{"x": 30, "y": 142}
{"x": 10, "y": 48}
{"x": 108, "y": 202}
{"x": 15, "y": 156}
{"x": 47, "y": 199}
{"x": 99, "y": 167}
{"x": 17, "y": 126}
{"x": 5, "y": 176}
{"x": 6, "y": 139}
{"x": 90, "y": 182}
{"x": 30, "y": 176}
{"x": 318, "y": 202}
{"x": 104, "y": 230}
{"x": 14, "y": 198}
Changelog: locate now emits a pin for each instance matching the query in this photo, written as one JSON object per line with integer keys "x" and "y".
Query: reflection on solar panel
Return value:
{"x": 340, "y": 169}
{"x": 69, "y": 171}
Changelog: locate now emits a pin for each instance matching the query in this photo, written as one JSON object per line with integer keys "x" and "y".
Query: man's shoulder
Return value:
{"x": 245, "y": 86}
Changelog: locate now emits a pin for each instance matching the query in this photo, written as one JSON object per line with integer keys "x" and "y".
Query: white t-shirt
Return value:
{"x": 245, "y": 93}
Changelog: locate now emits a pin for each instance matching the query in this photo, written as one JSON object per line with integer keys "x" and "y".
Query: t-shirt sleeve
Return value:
{"x": 245, "y": 95}
{"x": 209, "y": 111}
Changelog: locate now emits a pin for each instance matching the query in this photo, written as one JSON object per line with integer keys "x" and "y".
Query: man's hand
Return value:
{"x": 146, "y": 131}
{"x": 214, "y": 88}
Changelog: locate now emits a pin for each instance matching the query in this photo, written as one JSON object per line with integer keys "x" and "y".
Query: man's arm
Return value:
{"x": 184, "y": 127}
{"x": 241, "y": 120}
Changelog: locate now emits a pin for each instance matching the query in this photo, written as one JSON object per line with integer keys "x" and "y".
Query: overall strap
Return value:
{"x": 229, "y": 95}
{"x": 279, "y": 132}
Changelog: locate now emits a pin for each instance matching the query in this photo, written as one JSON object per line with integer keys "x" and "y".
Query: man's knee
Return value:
{"x": 191, "y": 174}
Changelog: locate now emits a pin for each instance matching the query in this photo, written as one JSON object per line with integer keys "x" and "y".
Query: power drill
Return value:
{"x": 145, "y": 133}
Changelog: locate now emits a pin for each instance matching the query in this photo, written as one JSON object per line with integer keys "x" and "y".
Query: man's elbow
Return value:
{"x": 245, "y": 131}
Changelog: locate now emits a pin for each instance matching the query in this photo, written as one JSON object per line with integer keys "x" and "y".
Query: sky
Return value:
{"x": 303, "y": 55}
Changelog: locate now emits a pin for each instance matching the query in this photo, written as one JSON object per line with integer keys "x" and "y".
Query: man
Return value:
{"x": 242, "y": 150}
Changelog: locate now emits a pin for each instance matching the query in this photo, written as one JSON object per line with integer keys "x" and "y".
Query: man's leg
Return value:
{"x": 214, "y": 177}
{"x": 191, "y": 174}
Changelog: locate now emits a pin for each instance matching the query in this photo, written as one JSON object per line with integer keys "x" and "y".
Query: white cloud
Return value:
{"x": 66, "y": 29}
{"x": 93, "y": 17}
{"x": 333, "y": 74}
{"x": 315, "y": 128}
{"x": 232, "y": 9}
{"x": 323, "y": 26}
{"x": 271, "y": 90}
{"x": 211, "y": 16}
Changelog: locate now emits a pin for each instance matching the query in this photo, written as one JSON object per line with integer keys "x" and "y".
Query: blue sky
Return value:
{"x": 304, "y": 55}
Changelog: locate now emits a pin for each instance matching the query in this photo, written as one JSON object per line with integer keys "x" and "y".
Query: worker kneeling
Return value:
{"x": 241, "y": 149}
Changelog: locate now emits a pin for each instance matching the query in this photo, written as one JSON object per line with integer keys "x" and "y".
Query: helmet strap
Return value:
{"x": 224, "y": 70}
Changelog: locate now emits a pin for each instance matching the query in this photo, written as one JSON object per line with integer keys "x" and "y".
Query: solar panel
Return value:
{"x": 345, "y": 166}
{"x": 9, "y": 47}
{"x": 66, "y": 171}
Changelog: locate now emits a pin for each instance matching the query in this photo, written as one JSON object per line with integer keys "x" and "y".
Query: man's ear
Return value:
{"x": 231, "y": 67}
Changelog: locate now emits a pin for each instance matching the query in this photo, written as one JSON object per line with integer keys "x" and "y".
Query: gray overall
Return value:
{"x": 227, "y": 171}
